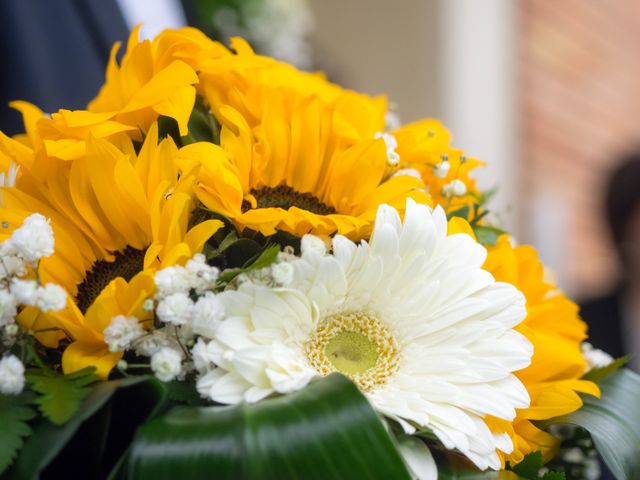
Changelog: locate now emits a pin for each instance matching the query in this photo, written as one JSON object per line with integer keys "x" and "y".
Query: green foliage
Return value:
{"x": 462, "y": 212}
{"x": 326, "y": 431}
{"x": 15, "y": 412}
{"x": 61, "y": 395}
{"x": 487, "y": 235}
{"x": 202, "y": 125}
{"x": 183, "y": 392}
{"x": 92, "y": 439}
{"x": 613, "y": 422}
{"x": 598, "y": 374}
{"x": 261, "y": 260}
{"x": 168, "y": 127}
{"x": 554, "y": 476}
{"x": 531, "y": 466}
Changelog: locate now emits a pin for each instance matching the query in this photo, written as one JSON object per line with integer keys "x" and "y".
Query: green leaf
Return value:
{"x": 598, "y": 374}
{"x": 613, "y": 422}
{"x": 60, "y": 447}
{"x": 15, "y": 412}
{"x": 554, "y": 476}
{"x": 266, "y": 258}
{"x": 260, "y": 260}
{"x": 168, "y": 127}
{"x": 326, "y": 431}
{"x": 241, "y": 251}
{"x": 461, "y": 212}
{"x": 61, "y": 395}
{"x": 529, "y": 466}
{"x": 202, "y": 125}
{"x": 487, "y": 235}
{"x": 183, "y": 392}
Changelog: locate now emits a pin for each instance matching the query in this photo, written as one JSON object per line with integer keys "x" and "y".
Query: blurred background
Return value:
{"x": 548, "y": 93}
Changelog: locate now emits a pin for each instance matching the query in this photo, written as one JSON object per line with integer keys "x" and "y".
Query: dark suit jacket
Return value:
{"x": 54, "y": 53}
{"x": 604, "y": 318}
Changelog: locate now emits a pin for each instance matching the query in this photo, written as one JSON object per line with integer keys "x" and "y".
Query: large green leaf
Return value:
{"x": 325, "y": 431}
{"x": 614, "y": 423}
{"x": 75, "y": 447}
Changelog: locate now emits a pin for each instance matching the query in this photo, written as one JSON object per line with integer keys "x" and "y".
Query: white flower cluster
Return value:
{"x": 121, "y": 332}
{"x": 31, "y": 241}
{"x": 176, "y": 285}
{"x": 185, "y": 306}
{"x": 196, "y": 275}
{"x": 27, "y": 244}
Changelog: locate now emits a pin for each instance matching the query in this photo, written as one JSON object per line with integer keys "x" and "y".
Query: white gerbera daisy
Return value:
{"x": 411, "y": 318}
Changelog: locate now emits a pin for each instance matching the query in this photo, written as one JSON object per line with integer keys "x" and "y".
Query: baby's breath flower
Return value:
{"x": 176, "y": 309}
{"x": 167, "y": 364}
{"x": 455, "y": 188}
{"x": 121, "y": 332}
{"x": 11, "y": 375}
{"x": 25, "y": 291}
{"x": 33, "y": 240}
{"x": 51, "y": 298}
{"x": 8, "y": 307}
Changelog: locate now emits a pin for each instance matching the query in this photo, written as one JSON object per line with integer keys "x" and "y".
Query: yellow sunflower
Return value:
{"x": 556, "y": 331}
{"x": 63, "y": 134}
{"x": 298, "y": 170}
{"x": 117, "y": 217}
{"x": 152, "y": 80}
{"x": 245, "y": 81}
{"x": 424, "y": 146}
{"x": 161, "y": 77}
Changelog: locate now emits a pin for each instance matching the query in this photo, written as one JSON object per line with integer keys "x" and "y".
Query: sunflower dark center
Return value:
{"x": 126, "y": 264}
{"x": 286, "y": 197}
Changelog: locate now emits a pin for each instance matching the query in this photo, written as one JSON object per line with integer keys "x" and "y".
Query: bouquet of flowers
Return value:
{"x": 228, "y": 268}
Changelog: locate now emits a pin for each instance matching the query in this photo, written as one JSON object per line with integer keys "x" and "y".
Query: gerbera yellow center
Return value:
{"x": 126, "y": 264}
{"x": 286, "y": 197}
{"x": 357, "y": 345}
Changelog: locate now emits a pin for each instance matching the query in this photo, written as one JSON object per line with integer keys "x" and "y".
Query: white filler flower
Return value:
{"x": 11, "y": 375}
{"x": 166, "y": 364}
{"x": 121, "y": 332}
{"x": 411, "y": 318}
{"x": 34, "y": 239}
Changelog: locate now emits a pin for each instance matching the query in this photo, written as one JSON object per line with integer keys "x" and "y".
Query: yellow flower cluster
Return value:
{"x": 296, "y": 153}
{"x": 556, "y": 331}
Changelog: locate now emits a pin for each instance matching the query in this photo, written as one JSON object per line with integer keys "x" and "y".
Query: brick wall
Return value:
{"x": 580, "y": 106}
